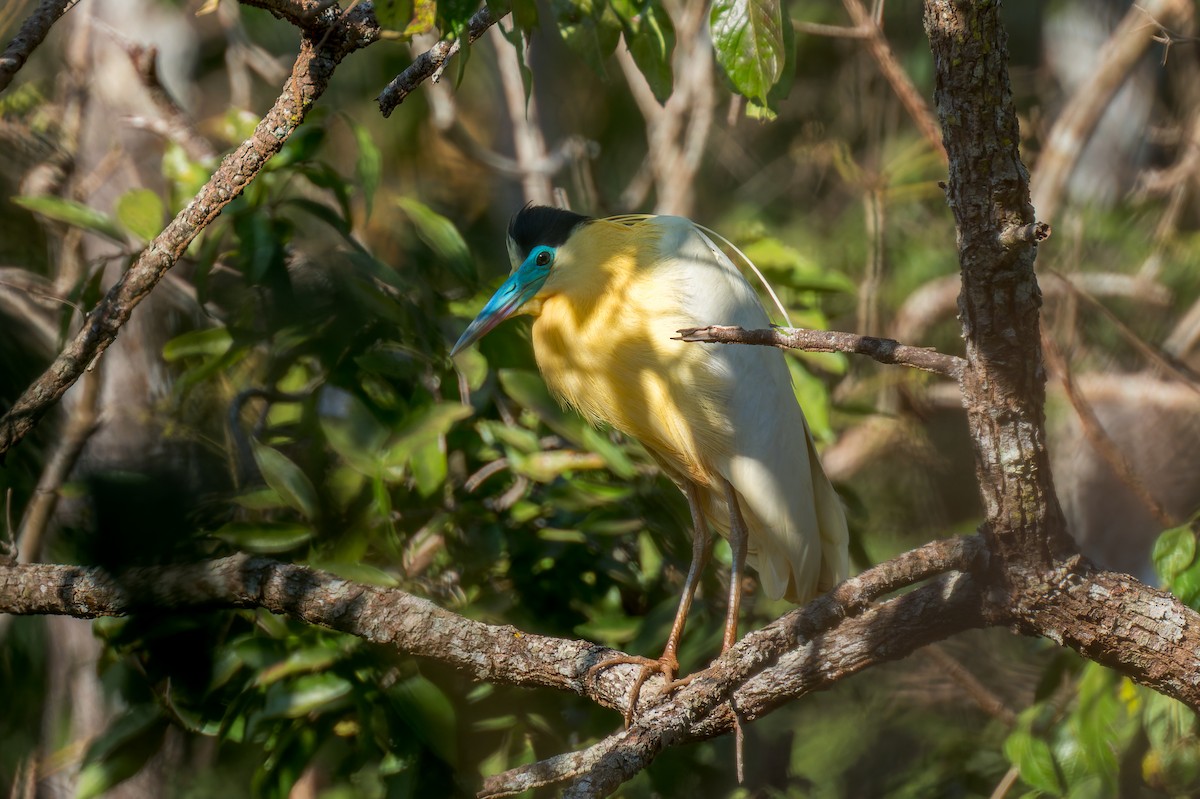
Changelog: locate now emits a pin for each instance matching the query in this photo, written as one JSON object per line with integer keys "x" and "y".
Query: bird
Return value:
{"x": 609, "y": 297}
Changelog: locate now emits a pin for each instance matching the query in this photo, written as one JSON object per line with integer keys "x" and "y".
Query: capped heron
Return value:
{"x": 608, "y": 297}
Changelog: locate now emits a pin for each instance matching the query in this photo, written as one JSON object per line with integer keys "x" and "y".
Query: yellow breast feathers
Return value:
{"x": 603, "y": 342}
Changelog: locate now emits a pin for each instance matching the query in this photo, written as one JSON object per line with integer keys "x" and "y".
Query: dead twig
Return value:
{"x": 884, "y": 350}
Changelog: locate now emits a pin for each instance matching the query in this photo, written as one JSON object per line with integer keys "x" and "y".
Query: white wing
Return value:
{"x": 798, "y": 535}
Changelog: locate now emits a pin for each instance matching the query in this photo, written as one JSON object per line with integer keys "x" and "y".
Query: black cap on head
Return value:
{"x": 539, "y": 224}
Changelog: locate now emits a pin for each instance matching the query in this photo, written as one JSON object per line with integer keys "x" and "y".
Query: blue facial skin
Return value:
{"x": 512, "y": 294}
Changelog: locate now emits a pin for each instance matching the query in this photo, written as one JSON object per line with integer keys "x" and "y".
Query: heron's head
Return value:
{"x": 537, "y": 237}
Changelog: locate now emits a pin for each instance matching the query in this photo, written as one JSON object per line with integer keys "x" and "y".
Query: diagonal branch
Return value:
{"x": 1140, "y": 27}
{"x": 33, "y": 31}
{"x": 884, "y": 350}
{"x": 431, "y": 63}
{"x": 310, "y": 76}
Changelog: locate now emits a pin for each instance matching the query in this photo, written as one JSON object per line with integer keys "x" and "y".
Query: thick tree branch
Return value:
{"x": 884, "y": 350}
{"x": 1004, "y": 382}
{"x": 31, "y": 34}
{"x": 431, "y": 63}
{"x": 310, "y": 77}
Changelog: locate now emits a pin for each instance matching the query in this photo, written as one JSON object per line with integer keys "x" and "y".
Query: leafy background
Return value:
{"x": 304, "y": 406}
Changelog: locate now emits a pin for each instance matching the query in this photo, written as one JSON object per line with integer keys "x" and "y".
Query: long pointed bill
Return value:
{"x": 508, "y": 299}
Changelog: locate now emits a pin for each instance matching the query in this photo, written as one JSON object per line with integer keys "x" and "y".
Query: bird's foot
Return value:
{"x": 666, "y": 665}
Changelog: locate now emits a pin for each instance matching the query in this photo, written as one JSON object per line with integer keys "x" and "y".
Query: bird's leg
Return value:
{"x": 668, "y": 664}
{"x": 738, "y": 535}
{"x": 699, "y": 561}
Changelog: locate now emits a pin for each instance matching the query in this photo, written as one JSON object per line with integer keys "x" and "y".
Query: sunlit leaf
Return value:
{"x": 748, "y": 37}
{"x": 440, "y": 234}
{"x": 1033, "y": 759}
{"x": 1174, "y": 551}
{"x": 207, "y": 342}
{"x": 428, "y": 464}
{"x": 394, "y": 15}
{"x": 141, "y": 212}
{"x": 360, "y": 573}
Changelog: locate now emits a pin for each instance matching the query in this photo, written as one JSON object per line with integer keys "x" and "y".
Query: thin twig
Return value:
{"x": 884, "y": 350}
{"x": 33, "y": 31}
{"x": 833, "y": 31}
{"x": 8, "y": 540}
{"x": 430, "y": 63}
{"x": 987, "y": 700}
{"x": 176, "y": 125}
{"x": 913, "y": 101}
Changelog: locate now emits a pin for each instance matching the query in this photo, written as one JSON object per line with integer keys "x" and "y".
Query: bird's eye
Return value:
{"x": 543, "y": 258}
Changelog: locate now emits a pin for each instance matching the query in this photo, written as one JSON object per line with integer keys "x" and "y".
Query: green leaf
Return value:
{"x": 185, "y": 176}
{"x": 75, "y": 214}
{"x": 544, "y": 467}
{"x": 267, "y": 538}
{"x": 423, "y": 427}
{"x": 394, "y": 15}
{"x": 1032, "y": 757}
{"x": 311, "y": 693}
{"x": 121, "y": 751}
{"x": 430, "y": 715}
{"x": 360, "y": 573}
{"x": 210, "y": 341}
{"x": 748, "y": 37}
{"x": 525, "y": 16}
{"x": 351, "y": 429}
{"x": 324, "y": 213}
{"x": 369, "y": 165}
{"x": 1186, "y": 585}
{"x": 263, "y": 498}
{"x": 439, "y": 234}
{"x": 287, "y": 478}
{"x": 1174, "y": 551}
{"x": 300, "y": 661}
{"x": 588, "y": 27}
{"x": 650, "y": 37}
{"x": 141, "y": 212}
{"x": 529, "y": 390}
{"x": 428, "y": 464}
